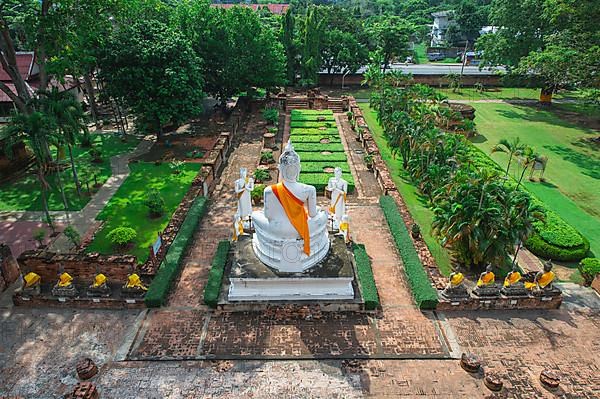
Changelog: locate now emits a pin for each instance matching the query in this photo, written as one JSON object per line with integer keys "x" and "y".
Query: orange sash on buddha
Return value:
{"x": 295, "y": 211}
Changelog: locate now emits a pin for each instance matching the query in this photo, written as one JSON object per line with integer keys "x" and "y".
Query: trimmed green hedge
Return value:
{"x": 318, "y": 167}
{"x": 423, "y": 292}
{"x": 315, "y": 138}
{"x": 313, "y": 131}
{"x": 589, "y": 268}
{"x": 365, "y": 277}
{"x": 170, "y": 266}
{"x": 311, "y": 156}
{"x": 320, "y": 180}
{"x": 313, "y": 118}
{"x": 215, "y": 276}
{"x": 557, "y": 232}
{"x": 318, "y": 147}
{"x": 303, "y": 124}
{"x": 538, "y": 246}
{"x": 302, "y": 112}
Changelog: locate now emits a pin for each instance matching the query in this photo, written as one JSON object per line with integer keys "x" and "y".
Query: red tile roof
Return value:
{"x": 278, "y": 9}
{"x": 24, "y": 64}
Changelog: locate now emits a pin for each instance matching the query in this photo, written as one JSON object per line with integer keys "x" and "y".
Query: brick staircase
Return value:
{"x": 297, "y": 103}
{"x": 336, "y": 105}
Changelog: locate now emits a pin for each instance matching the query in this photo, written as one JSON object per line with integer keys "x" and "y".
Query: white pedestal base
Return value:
{"x": 290, "y": 289}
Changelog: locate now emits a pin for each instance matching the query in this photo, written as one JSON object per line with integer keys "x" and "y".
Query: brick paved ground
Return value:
{"x": 39, "y": 349}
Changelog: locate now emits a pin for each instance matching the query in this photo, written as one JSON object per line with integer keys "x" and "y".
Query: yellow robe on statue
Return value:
{"x": 512, "y": 278}
{"x": 486, "y": 279}
{"x": 295, "y": 211}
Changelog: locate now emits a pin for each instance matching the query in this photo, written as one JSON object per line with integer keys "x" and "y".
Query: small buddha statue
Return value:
{"x": 238, "y": 227}
{"x": 456, "y": 290}
{"x": 339, "y": 189}
{"x": 243, "y": 189}
{"x": 64, "y": 287}
{"x": 32, "y": 284}
{"x": 345, "y": 229}
{"x": 513, "y": 286}
{"x": 543, "y": 284}
{"x": 486, "y": 285}
{"x": 134, "y": 286}
{"x": 99, "y": 286}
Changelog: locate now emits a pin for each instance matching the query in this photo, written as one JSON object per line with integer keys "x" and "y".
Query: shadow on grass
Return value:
{"x": 543, "y": 114}
{"x": 480, "y": 138}
{"x": 591, "y": 165}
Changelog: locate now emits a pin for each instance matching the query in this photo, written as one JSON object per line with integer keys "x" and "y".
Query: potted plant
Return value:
{"x": 369, "y": 161}
{"x": 415, "y": 231}
{"x": 271, "y": 115}
{"x": 261, "y": 175}
{"x": 266, "y": 157}
{"x": 257, "y": 194}
{"x": 349, "y": 114}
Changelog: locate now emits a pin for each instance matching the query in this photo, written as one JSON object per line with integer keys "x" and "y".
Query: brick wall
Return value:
{"x": 82, "y": 267}
{"x": 501, "y": 303}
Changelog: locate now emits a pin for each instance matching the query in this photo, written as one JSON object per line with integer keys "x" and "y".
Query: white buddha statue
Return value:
{"x": 243, "y": 189}
{"x": 339, "y": 188}
{"x": 291, "y": 231}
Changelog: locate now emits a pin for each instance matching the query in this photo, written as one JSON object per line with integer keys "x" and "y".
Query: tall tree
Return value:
{"x": 287, "y": 39}
{"x": 391, "y": 37}
{"x": 311, "y": 55}
{"x": 152, "y": 68}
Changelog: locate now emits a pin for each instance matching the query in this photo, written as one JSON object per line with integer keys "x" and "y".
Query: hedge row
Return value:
{"x": 171, "y": 264}
{"x": 311, "y": 156}
{"x": 366, "y": 280}
{"x": 320, "y": 180}
{"x": 301, "y": 112}
{"x": 319, "y": 167}
{"x": 318, "y": 147}
{"x": 307, "y": 124}
{"x": 313, "y": 131}
{"x": 215, "y": 276}
{"x": 553, "y": 238}
{"x": 313, "y": 118}
{"x": 314, "y": 138}
{"x": 423, "y": 292}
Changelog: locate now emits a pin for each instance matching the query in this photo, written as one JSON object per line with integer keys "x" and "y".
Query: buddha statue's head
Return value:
{"x": 548, "y": 266}
{"x": 289, "y": 164}
{"x": 337, "y": 172}
{"x": 489, "y": 268}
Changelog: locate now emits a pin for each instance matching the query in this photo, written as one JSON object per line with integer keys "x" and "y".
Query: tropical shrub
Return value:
{"x": 215, "y": 276}
{"x": 258, "y": 192}
{"x": 424, "y": 294}
{"x": 366, "y": 280}
{"x": 271, "y": 115}
{"x": 72, "y": 235}
{"x": 169, "y": 268}
{"x": 155, "y": 203}
{"x": 589, "y": 268}
{"x": 121, "y": 235}
{"x": 266, "y": 157}
{"x": 261, "y": 175}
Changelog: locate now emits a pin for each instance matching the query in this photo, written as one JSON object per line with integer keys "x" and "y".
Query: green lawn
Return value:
{"x": 25, "y": 194}
{"x": 126, "y": 207}
{"x": 572, "y": 184}
{"x": 416, "y": 204}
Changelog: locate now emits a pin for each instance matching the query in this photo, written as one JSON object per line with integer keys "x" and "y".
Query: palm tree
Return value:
{"x": 35, "y": 129}
{"x": 69, "y": 117}
{"x": 513, "y": 148}
{"x": 529, "y": 156}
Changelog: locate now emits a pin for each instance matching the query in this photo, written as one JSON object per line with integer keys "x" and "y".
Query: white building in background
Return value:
{"x": 441, "y": 20}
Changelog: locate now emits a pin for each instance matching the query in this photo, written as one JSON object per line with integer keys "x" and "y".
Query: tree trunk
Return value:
{"x": 44, "y": 187}
{"x": 89, "y": 88}
{"x": 61, "y": 188}
{"x": 74, "y": 170}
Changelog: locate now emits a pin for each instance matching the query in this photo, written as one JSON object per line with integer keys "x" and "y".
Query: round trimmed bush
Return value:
{"x": 121, "y": 235}
{"x": 537, "y": 245}
{"x": 589, "y": 268}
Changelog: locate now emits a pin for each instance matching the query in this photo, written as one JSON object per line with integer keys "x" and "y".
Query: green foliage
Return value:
{"x": 155, "y": 203}
{"x": 266, "y": 157}
{"x": 258, "y": 192}
{"x": 543, "y": 249}
{"x": 317, "y": 147}
{"x": 557, "y": 232}
{"x": 391, "y": 37}
{"x": 366, "y": 280}
{"x": 39, "y": 235}
{"x": 72, "y": 235}
{"x": 261, "y": 175}
{"x": 271, "y": 115}
{"x": 424, "y": 294}
{"x": 215, "y": 276}
{"x": 151, "y": 67}
{"x": 589, "y": 268}
{"x": 121, "y": 235}
{"x": 169, "y": 268}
